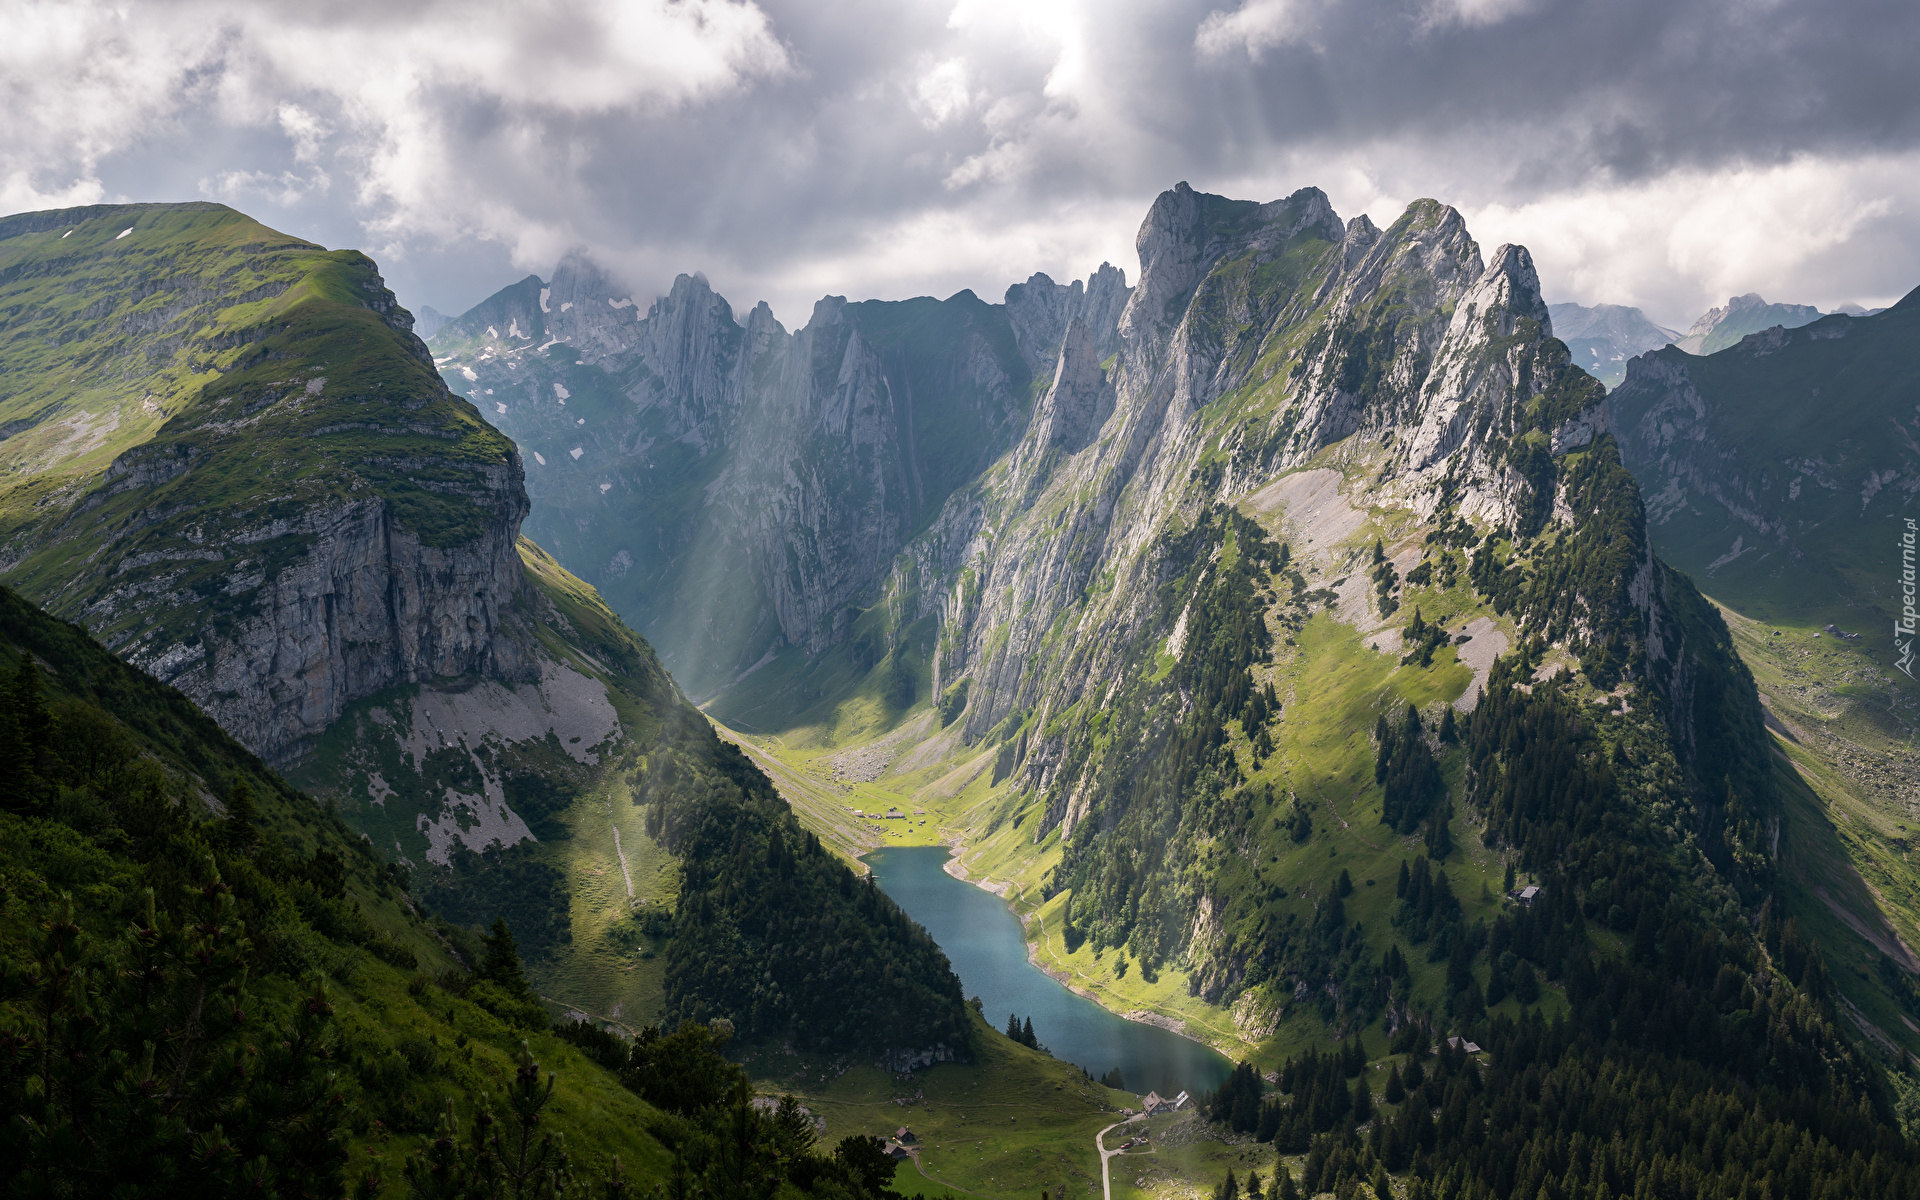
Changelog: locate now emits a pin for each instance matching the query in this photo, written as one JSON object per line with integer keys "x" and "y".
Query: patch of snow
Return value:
{"x": 565, "y": 305}
{"x": 489, "y": 391}
{"x": 627, "y": 303}
{"x": 492, "y": 332}
{"x": 576, "y": 452}
{"x": 66, "y": 235}
{"x": 544, "y": 293}
{"x": 580, "y": 421}
{"x": 513, "y": 329}
{"x": 468, "y": 372}
{"x": 499, "y": 407}
{"x": 315, "y": 384}
{"x": 560, "y": 391}
{"x": 539, "y": 458}
{"x": 123, "y": 233}
{"x": 605, "y": 488}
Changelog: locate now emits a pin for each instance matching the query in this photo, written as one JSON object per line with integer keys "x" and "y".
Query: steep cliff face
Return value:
{"x": 1260, "y": 336}
{"x": 732, "y": 487}
{"x": 317, "y": 520}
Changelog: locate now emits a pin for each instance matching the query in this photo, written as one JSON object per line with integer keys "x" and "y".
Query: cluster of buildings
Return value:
{"x": 1154, "y": 1104}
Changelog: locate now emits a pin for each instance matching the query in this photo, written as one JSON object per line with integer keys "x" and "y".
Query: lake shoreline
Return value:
{"x": 1208, "y": 1062}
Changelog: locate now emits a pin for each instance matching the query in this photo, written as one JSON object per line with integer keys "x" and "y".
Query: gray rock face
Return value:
{"x": 1040, "y": 310}
{"x": 732, "y": 487}
{"x": 287, "y": 545}
{"x": 1081, "y": 398}
{"x": 365, "y": 608}
{"x": 1406, "y": 350}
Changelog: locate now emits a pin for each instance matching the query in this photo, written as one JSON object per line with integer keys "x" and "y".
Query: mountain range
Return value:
{"x": 1189, "y": 613}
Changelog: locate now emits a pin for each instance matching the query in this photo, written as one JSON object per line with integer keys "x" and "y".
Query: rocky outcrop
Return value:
{"x": 1040, "y": 311}
{"x": 321, "y": 522}
{"x": 365, "y": 607}
{"x": 1438, "y": 363}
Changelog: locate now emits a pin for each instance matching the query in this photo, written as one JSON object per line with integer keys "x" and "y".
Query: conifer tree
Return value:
{"x": 500, "y": 961}
{"x": 1284, "y": 1187}
{"x": 237, "y": 832}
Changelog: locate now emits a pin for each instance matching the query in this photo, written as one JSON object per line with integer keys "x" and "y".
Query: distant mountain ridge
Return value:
{"x": 1782, "y": 456}
{"x": 731, "y": 486}
{"x": 1718, "y": 328}
{"x": 1603, "y": 337}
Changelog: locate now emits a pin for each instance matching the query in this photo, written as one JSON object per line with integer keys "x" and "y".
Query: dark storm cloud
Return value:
{"x": 1660, "y": 153}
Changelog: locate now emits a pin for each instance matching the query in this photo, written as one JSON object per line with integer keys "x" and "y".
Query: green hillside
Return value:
{"x": 116, "y": 315}
{"x": 1782, "y": 494}
{"x": 212, "y": 987}
{"x": 290, "y": 385}
{"x": 197, "y": 1000}
{"x": 1780, "y": 473}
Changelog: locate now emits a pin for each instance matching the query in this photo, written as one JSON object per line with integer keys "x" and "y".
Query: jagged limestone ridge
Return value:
{"x": 733, "y": 487}
{"x": 1260, "y": 336}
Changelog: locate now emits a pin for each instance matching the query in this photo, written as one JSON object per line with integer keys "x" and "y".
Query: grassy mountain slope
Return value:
{"x": 320, "y": 545}
{"x": 115, "y": 863}
{"x": 203, "y": 1002}
{"x": 1780, "y": 472}
{"x": 316, "y": 515}
{"x": 115, "y": 316}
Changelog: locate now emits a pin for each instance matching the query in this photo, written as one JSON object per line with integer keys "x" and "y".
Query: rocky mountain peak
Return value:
{"x": 1718, "y": 328}
{"x": 1506, "y": 294}
{"x": 1040, "y": 310}
{"x": 1186, "y": 232}
{"x": 587, "y": 308}
{"x": 1081, "y": 398}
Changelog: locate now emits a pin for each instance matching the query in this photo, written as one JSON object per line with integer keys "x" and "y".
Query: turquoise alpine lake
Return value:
{"x": 982, "y": 940}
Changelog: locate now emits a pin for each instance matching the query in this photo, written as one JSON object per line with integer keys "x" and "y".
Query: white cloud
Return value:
{"x": 1661, "y": 152}
{"x": 1473, "y": 12}
{"x": 1810, "y": 231}
{"x": 382, "y": 87}
{"x": 940, "y": 93}
{"x": 240, "y": 188}
{"x": 1255, "y": 27}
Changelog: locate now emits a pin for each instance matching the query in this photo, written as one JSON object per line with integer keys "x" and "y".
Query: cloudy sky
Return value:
{"x": 1665, "y": 153}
